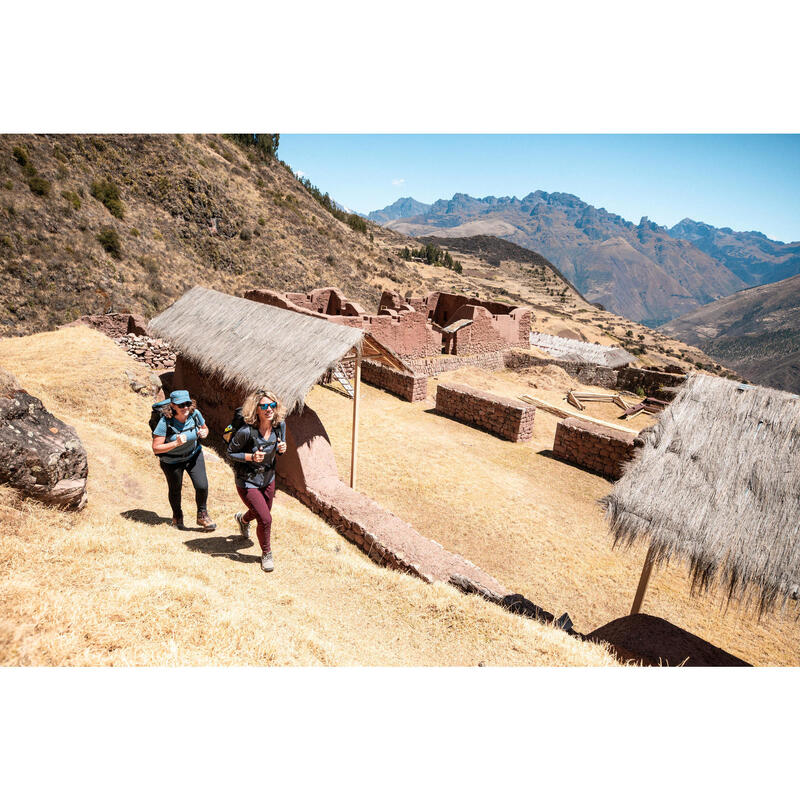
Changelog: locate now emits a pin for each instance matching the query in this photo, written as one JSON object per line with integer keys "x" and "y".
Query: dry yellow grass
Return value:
{"x": 532, "y": 521}
{"x": 104, "y": 587}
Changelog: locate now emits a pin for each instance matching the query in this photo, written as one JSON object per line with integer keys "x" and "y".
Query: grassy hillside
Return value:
{"x": 756, "y": 332}
{"x": 114, "y": 585}
{"x": 90, "y": 223}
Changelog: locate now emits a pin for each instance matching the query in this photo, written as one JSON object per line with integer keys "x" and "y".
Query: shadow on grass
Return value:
{"x": 148, "y": 517}
{"x": 654, "y": 641}
{"x": 224, "y": 547}
{"x": 145, "y": 516}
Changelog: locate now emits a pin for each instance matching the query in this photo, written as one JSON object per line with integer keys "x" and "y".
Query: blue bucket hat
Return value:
{"x": 180, "y": 396}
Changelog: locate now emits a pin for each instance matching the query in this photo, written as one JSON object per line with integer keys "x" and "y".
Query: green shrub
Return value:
{"x": 134, "y": 232}
{"x": 72, "y": 198}
{"x": 5, "y": 241}
{"x": 39, "y": 185}
{"x": 262, "y": 221}
{"x": 8, "y": 185}
{"x": 107, "y": 192}
{"x": 109, "y": 239}
{"x": 21, "y": 156}
{"x": 59, "y": 154}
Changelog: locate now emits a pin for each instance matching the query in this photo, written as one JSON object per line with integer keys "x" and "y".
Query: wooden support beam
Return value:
{"x": 354, "y": 444}
{"x": 644, "y": 578}
{"x": 563, "y": 412}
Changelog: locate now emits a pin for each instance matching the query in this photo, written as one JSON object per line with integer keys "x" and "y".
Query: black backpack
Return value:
{"x": 233, "y": 426}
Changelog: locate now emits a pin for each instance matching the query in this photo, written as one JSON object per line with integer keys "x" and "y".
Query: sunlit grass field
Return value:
{"x": 114, "y": 585}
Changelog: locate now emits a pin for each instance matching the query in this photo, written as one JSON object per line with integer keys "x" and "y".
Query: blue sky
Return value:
{"x": 746, "y": 182}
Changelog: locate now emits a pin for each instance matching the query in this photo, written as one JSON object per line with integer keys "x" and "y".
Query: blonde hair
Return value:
{"x": 250, "y": 408}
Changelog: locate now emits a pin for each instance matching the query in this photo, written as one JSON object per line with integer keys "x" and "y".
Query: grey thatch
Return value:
{"x": 717, "y": 483}
{"x": 586, "y": 352}
{"x": 254, "y": 345}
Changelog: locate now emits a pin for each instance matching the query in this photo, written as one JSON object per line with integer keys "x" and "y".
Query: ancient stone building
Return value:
{"x": 417, "y": 327}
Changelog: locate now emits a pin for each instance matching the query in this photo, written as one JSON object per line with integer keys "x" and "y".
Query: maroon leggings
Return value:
{"x": 259, "y": 507}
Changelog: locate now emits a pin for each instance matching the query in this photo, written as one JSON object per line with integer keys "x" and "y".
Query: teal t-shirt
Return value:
{"x": 170, "y": 429}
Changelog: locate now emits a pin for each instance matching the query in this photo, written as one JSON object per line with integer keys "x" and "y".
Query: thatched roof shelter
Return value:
{"x": 575, "y": 350}
{"x": 252, "y": 344}
{"x": 717, "y": 484}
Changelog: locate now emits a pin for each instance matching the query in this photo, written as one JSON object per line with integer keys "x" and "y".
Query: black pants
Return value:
{"x": 196, "y": 467}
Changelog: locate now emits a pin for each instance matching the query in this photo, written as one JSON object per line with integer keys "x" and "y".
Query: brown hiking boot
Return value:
{"x": 177, "y": 522}
{"x": 205, "y": 522}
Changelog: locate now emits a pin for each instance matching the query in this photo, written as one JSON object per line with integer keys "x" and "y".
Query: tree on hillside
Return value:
{"x": 267, "y": 143}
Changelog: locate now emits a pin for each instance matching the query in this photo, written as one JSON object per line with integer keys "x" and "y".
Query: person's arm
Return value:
{"x": 161, "y": 446}
{"x": 281, "y": 448}
{"x": 202, "y": 428}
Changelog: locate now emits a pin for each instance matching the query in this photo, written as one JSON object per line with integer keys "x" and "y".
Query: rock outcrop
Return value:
{"x": 40, "y": 456}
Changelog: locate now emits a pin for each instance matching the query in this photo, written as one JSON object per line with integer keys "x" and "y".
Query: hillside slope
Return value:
{"x": 115, "y": 585}
{"x": 194, "y": 209}
{"x": 638, "y": 271}
{"x": 756, "y": 332}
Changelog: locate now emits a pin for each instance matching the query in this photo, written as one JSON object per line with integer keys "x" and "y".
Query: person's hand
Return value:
{"x": 258, "y": 457}
{"x": 180, "y": 439}
{"x": 203, "y": 432}
{"x": 281, "y": 447}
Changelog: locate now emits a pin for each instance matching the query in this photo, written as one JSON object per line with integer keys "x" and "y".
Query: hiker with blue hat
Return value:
{"x": 176, "y": 442}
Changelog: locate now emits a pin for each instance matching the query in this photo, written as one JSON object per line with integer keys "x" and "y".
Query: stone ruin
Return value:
{"x": 417, "y": 327}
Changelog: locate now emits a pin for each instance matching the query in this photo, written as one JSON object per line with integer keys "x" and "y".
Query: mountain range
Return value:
{"x": 643, "y": 271}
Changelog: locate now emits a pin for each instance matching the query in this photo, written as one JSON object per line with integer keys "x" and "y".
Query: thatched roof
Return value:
{"x": 717, "y": 484}
{"x": 252, "y": 344}
{"x": 574, "y": 350}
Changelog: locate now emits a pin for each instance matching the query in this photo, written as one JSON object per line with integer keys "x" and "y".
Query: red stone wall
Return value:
{"x": 435, "y": 366}
{"x": 405, "y": 332}
{"x": 410, "y": 387}
{"x": 595, "y": 447}
{"x": 509, "y": 419}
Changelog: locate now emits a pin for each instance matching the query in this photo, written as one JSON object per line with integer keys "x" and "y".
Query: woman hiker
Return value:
{"x": 253, "y": 449}
{"x": 176, "y": 442}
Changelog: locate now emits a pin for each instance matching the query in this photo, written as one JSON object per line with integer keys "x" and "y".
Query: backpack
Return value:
{"x": 237, "y": 421}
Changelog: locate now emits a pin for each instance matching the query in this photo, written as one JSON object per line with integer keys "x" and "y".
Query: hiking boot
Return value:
{"x": 205, "y": 522}
{"x": 267, "y": 563}
{"x": 244, "y": 527}
{"x": 177, "y": 522}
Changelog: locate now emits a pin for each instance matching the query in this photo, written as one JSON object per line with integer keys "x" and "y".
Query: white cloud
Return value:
{"x": 398, "y": 181}
{"x": 300, "y": 173}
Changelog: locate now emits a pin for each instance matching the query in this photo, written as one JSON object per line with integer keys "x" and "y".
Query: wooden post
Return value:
{"x": 643, "y": 580}
{"x": 354, "y": 444}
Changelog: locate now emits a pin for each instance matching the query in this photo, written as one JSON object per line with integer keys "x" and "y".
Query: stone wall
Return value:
{"x": 113, "y": 324}
{"x": 410, "y": 387}
{"x": 435, "y": 366}
{"x": 595, "y": 447}
{"x": 583, "y": 372}
{"x": 651, "y": 381}
{"x": 156, "y": 353}
{"x": 507, "y": 418}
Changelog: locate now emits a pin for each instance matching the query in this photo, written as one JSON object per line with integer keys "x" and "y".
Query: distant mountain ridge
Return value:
{"x": 403, "y": 207}
{"x": 751, "y": 255}
{"x": 643, "y": 271}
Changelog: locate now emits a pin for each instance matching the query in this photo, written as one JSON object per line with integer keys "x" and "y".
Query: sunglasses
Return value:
{"x": 184, "y": 405}
{"x": 265, "y": 406}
